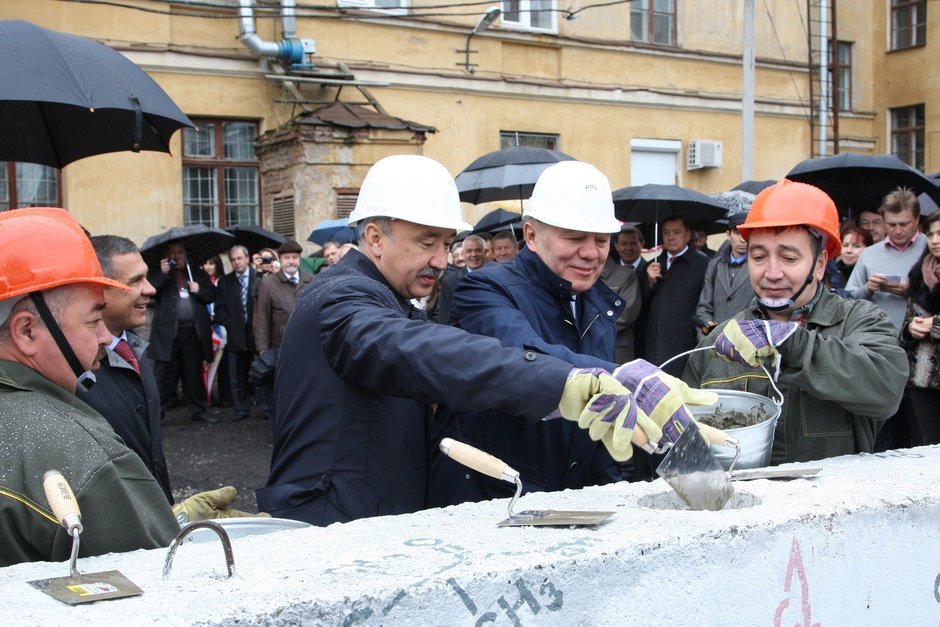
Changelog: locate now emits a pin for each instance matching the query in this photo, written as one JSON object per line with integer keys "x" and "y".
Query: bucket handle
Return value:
{"x": 778, "y": 400}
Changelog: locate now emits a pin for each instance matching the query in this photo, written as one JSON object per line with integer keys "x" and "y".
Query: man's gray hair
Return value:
{"x": 475, "y": 238}
{"x": 57, "y": 299}
{"x": 107, "y": 247}
{"x": 244, "y": 250}
{"x": 383, "y": 223}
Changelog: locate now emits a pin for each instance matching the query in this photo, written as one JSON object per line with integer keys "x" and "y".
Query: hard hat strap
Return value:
{"x": 85, "y": 378}
{"x": 790, "y": 303}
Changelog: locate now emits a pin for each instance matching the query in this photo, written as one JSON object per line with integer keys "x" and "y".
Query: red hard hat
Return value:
{"x": 42, "y": 248}
{"x": 789, "y": 203}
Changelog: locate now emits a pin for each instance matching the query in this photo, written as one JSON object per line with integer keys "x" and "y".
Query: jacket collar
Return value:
{"x": 22, "y": 377}
{"x": 828, "y": 311}
{"x": 543, "y": 275}
{"x": 357, "y": 261}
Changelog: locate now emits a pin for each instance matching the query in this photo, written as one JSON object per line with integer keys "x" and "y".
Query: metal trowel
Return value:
{"x": 78, "y": 588}
{"x": 485, "y": 463}
{"x": 694, "y": 472}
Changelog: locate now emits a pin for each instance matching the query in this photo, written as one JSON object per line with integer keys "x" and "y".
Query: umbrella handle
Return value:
{"x": 188, "y": 271}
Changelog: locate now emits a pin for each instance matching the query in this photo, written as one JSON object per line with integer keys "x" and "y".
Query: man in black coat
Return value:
{"x": 181, "y": 335}
{"x": 126, "y": 391}
{"x": 235, "y": 296}
{"x": 671, "y": 290}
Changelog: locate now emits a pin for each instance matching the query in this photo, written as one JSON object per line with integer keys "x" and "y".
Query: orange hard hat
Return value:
{"x": 42, "y": 248}
{"x": 788, "y": 203}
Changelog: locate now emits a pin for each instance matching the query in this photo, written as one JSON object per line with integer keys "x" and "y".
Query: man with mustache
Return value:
{"x": 126, "y": 393}
{"x": 548, "y": 298}
{"x": 360, "y": 367}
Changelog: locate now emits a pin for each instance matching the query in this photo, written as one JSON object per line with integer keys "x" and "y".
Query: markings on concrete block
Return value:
{"x": 573, "y": 547}
{"x": 936, "y": 588}
{"x": 526, "y": 598}
{"x": 795, "y": 566}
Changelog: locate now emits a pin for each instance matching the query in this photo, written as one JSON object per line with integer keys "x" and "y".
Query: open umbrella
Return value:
{"x": 200, "y": 241}
{"x": 654, "y": 203}
{"x": 507, "y": 174}
{"x": 753, "y": 187}
{"x": 497, "y": 220}
{"x": 64, "y": 97}
{"x": 858, "y": 182}
{"x": 735, "y": 201}
{"x": 337, "y": 231}
{"x": 254, "y": 237}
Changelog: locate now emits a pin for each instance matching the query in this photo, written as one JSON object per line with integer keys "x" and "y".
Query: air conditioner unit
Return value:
{"x": 703, "y": 153}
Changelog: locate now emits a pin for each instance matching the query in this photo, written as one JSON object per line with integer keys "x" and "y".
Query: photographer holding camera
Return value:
{"x": 181, "y": 335}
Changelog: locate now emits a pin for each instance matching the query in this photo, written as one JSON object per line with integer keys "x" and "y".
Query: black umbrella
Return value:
{"x": 64, "y": 97}
{"x": 654, "y": 203}
{"x": 200, "y": 241}
{"x": 497, "y": 220}
{"x": 254, "y": 237}
{"x": 508, "y": 174}
{"x": 859, "y": 182}
{"x": 753, "y": 187}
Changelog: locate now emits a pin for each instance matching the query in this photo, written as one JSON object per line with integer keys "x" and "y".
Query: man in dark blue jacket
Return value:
{"x": 126, "y": 392}
{"x": 547, "y": 298}
{"x": 360, "y": 367}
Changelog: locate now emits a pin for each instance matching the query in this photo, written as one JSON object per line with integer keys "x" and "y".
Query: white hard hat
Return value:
{"x": 412, "y": 188}
{"x": 573, "y": 195}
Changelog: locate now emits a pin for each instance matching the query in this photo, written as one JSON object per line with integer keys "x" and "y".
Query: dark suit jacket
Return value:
{"x": 669, "y": 308}
{"x": 131, "y": 404}
{"x": 623, "y": 280}
{"x": 163, "y": 329}
{"x": 228, "y": 309}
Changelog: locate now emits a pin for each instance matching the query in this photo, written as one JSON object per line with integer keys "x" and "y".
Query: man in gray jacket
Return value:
{"x": 727, "y": 288}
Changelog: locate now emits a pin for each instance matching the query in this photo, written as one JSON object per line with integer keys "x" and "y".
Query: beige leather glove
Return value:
{"x": 211, "y": 505}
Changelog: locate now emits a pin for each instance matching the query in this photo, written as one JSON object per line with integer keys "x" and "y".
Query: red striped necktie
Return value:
{"x": 124, "y": 350}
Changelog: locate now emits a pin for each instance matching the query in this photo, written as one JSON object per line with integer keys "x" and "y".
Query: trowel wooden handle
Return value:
{"x": 62, "y": 500}
{"x": 476, "y": 459}
{"x": 717, "y": 436}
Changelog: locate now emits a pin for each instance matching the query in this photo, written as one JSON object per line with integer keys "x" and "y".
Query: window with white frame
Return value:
{"x": 530, "y": 14}
{"x": 653, "y": 21}
{"x": 842, "y": 71}
{"x": 28, "y": 185}
{"x": 508, "y": 139}
{"x": 220, "y": 174}
{"x": 907, "y": 135}
{"x": 394, "y": 7}
{"x": 908, "y": 23}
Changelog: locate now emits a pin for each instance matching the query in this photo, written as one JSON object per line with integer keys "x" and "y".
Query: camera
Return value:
{"x": 267, "y": 259}
{"x": 174, "y": 263}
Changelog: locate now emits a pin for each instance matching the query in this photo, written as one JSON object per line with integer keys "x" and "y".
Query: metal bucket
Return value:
{"x": 756, "y": 440}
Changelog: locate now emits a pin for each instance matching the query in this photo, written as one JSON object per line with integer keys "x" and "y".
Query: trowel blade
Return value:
{"x": 695, "y": 473}
{"x": 555, "y": 518}
{"x": 88, "y": 587}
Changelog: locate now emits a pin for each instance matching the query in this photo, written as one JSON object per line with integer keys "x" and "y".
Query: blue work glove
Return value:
{"x": 662, "y": 397}
{"x": 753, "y": 342}
{"x": 602, "y": 406}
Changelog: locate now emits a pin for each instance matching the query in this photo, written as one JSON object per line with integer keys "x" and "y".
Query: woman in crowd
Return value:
{"x": 920, "y": 335}
{"x": 223, "y": 394}
{"x": 854, "y": 240}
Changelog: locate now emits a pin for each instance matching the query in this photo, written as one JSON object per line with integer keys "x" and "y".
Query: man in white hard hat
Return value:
{"x": 363, "y": 366}
{"x": 549, "y": 299}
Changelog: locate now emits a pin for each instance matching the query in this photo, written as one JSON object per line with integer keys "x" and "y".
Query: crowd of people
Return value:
{"x": 562, "y": 352}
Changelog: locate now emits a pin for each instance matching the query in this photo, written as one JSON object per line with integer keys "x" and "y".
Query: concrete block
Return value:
{"x": 857, "y": 545}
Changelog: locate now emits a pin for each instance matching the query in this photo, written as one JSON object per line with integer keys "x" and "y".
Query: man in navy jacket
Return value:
{"x": 126, "y": 392}
{"x": 360, "y": 367}
{"x": 548, "y": 298}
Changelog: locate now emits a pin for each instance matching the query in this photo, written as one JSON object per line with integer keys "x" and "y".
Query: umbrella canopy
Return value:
{"x": 64, "y": 97}
{"x": 753, "y": 187}
{"x": 508, "y": 174}
{"x": 497, "y": 220}
{"x": 200, "y": 241}
{"x": 735, "y": 201}
{"x": 333, "y": 230}
{"x": 254, "y": 237}
{"x": 655, "y": 203}
{"x": 859, "y": 182}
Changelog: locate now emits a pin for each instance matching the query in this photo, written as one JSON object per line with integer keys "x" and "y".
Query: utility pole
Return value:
{"x": 747, "y": 98}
